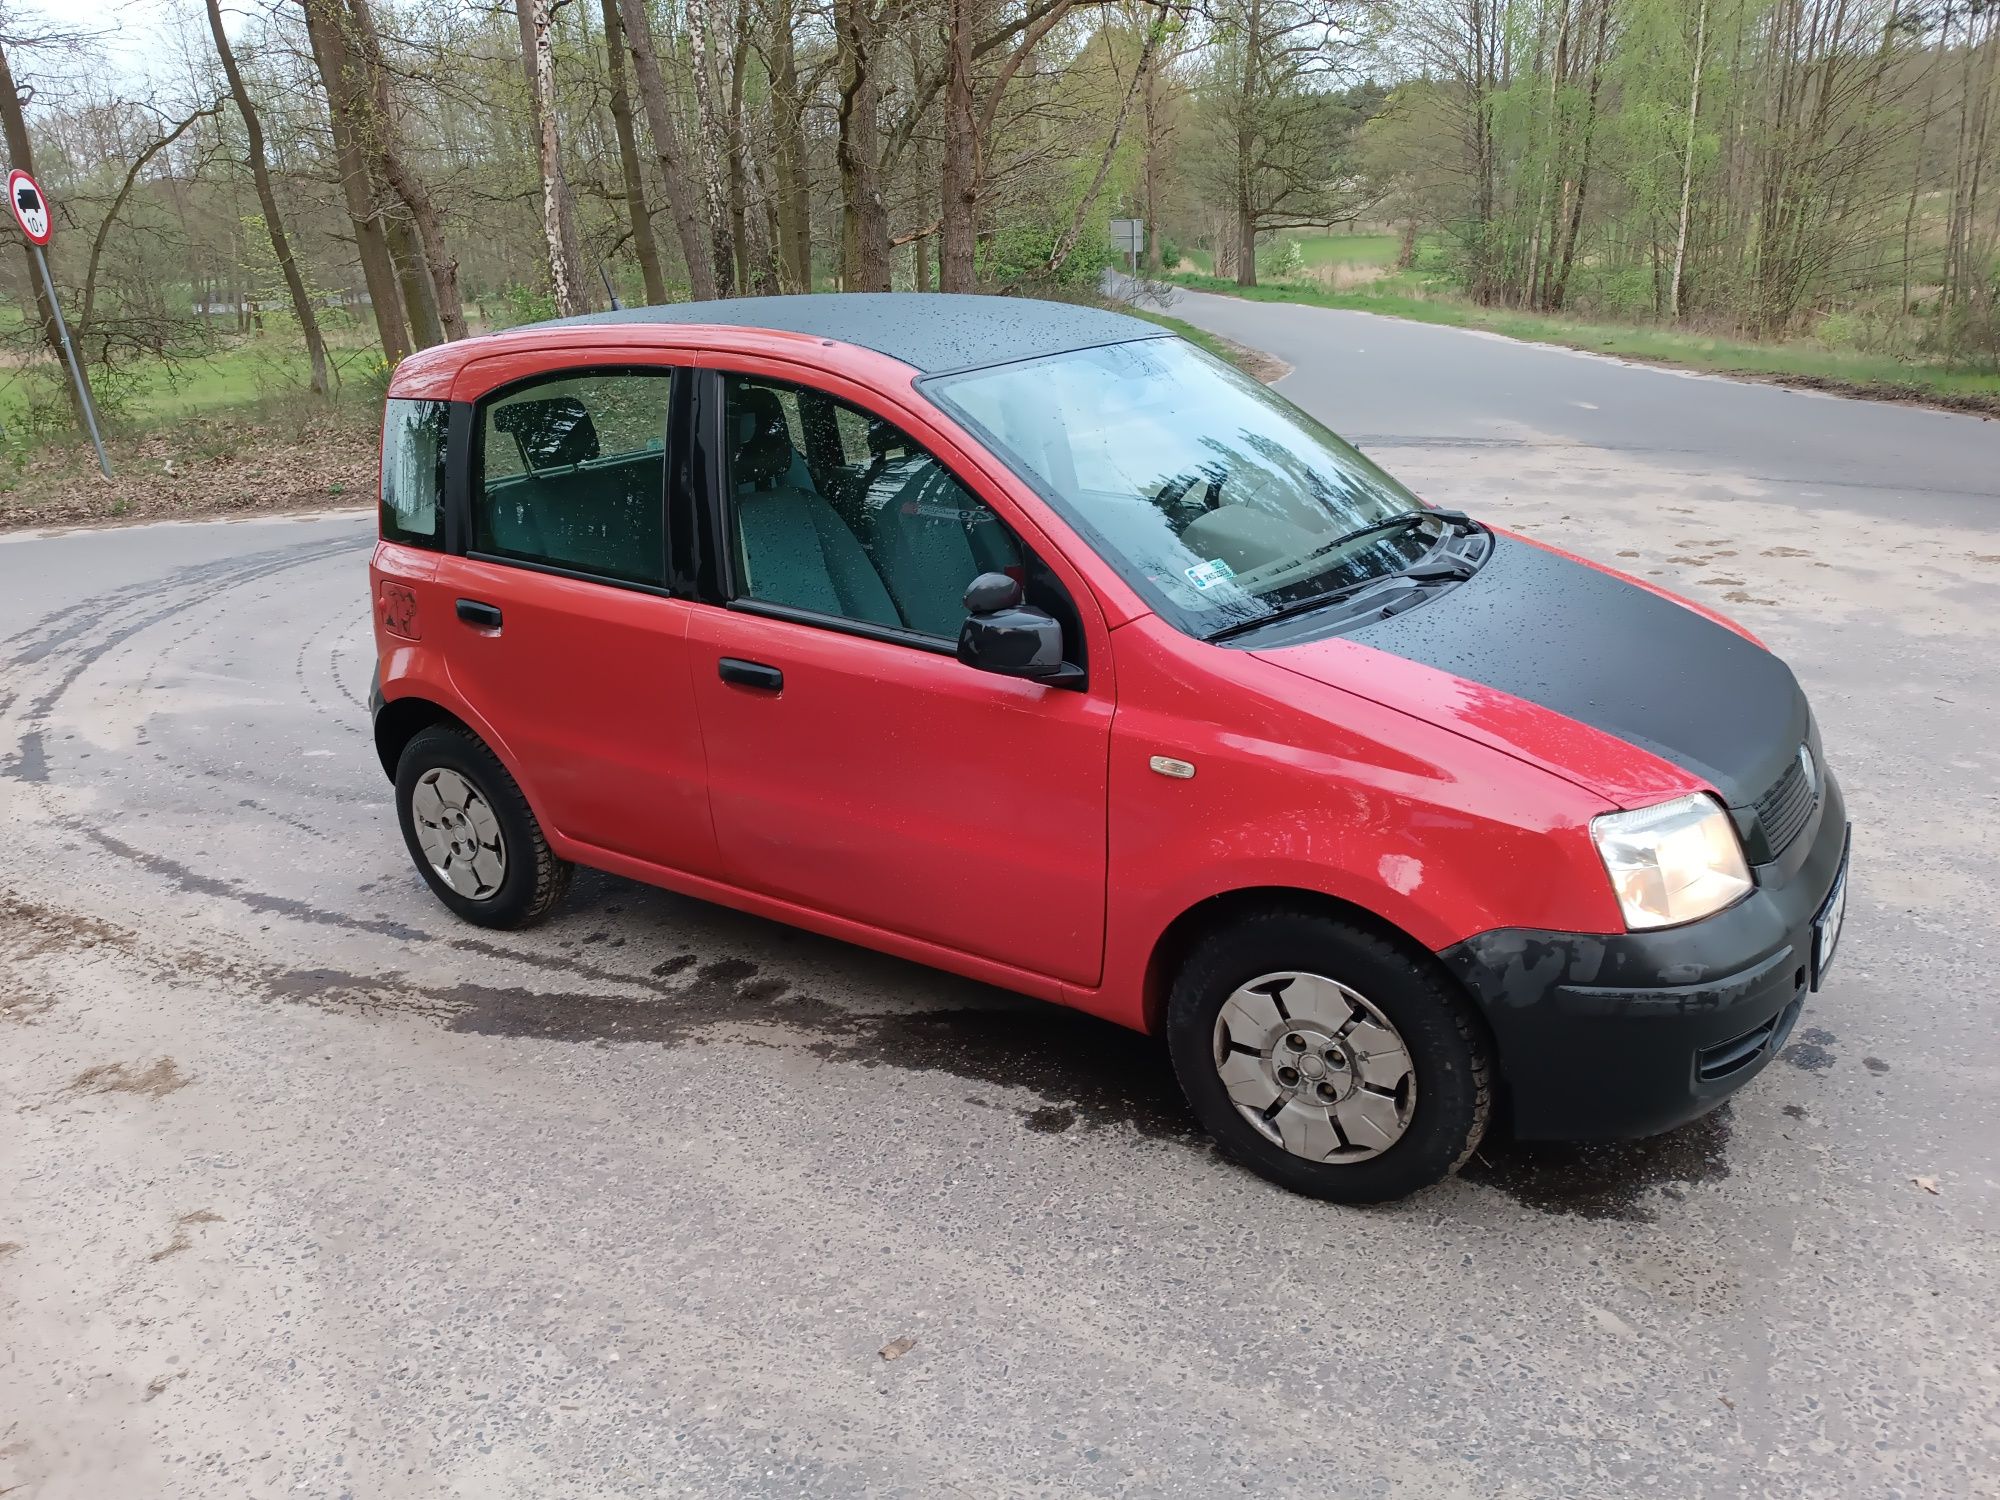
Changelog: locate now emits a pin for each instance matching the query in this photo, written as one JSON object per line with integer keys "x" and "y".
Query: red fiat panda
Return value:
{"x": 1030, "y": 642}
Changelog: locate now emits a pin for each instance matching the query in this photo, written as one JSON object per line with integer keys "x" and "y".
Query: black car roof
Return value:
{"x": 936, "y": 332}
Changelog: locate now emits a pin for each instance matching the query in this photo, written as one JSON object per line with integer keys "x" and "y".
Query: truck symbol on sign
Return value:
{"x": 32, "y": 212}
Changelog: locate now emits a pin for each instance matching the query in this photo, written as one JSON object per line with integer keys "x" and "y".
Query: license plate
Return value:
{"x": 1826, "y": 926}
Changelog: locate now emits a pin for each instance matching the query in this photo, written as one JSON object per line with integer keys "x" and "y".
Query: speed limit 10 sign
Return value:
{"x": 30, "y": 208}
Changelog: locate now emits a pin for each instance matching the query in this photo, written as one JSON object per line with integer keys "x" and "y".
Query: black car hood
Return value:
{"x": 1596, "y": 648}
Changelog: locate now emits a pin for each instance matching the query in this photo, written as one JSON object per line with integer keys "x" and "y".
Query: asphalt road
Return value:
{"x": 306, "y": 1189}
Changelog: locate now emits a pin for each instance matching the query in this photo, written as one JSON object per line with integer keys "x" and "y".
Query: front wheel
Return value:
{"x": 1324, "y": 1057}
{"x": 471, "y": 832}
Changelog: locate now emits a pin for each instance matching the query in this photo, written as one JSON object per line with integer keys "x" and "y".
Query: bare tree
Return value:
{"x": 864, "y": 242}
{"x": 637, "y": 214}
{"x": 682, "y": 202}
{"x": 383, "y": 140}
{"x": 558, "y": 220}
{"x": 326, "y": 35}
{"x": 267, "y": 200}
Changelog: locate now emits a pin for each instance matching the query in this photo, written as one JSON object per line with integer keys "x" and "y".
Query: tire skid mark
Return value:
{"x": 190, "y": 881}
{"x": 230, "y": 573}
{"x": 345, "y": 721}
{"x": 63, "y": 633}
{"x": 82, "y": 659}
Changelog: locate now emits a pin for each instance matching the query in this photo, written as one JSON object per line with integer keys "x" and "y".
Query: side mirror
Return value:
{"x": 1003, "y": 635}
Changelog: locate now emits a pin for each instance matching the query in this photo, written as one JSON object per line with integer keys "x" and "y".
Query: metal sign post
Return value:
{"x": 31, "y": 211}
{"x": 1129, "y": 235}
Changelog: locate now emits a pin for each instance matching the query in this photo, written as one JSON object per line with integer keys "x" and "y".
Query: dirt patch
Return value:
{"x": 1253, "y": 362}
{"x": 299, "y": 458}
{"x": 155, "y": 1081}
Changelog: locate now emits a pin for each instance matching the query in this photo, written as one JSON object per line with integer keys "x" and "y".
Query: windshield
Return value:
{"x": 1219, "y": 501}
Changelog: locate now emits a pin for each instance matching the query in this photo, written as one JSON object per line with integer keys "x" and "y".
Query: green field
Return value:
{"x": 151, "y": 393}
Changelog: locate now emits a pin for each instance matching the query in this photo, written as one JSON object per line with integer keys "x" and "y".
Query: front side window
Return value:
{"x": 572, "y": 474}
{"x": 413, "y": 452}
{"x": 1219, "y": 501}
{"x": 839, "y": 512}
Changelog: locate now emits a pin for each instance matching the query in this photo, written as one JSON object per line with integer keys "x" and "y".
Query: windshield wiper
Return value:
{"x": 1300, "y": 607}
{"x": 1398, "y": 522}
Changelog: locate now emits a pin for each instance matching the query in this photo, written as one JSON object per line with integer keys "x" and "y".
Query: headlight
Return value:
{"x": 1672, "y": 863}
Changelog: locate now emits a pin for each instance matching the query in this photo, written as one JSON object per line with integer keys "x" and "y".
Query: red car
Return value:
{"x": 1028, "y": 641}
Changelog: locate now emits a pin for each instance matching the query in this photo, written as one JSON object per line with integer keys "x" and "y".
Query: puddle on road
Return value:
{"x": 1087, "y": 1072}
{"x": 1607, "y": 1179}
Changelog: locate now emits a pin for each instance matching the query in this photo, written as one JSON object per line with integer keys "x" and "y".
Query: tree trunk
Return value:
{"x": 413, "y": 274}
{"x": 558, "y": 221}
{"x": 789, "y": 161}
{"x": 681, "y": 201}
{"x": 406, "y": 185}
{"x": 709, "y": 133}
{"x": 744, "y": 229}
{"x": 864, "y": 247}
{"x": 1687, "y": 164}
{"x": 958, "y": 170}
{"x": 644, "y": 246}
{"x": 274, "y": 224}
{"x": 326, "y": 36}
{"x": 535, "y": 20}
{"x": 1149, "y": 171}
{"x": 1559, "y": 289}
{"x": 1247, "y": 98}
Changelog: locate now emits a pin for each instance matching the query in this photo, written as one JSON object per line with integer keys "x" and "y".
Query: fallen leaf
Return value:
{"x": 1928, "y": 1184}
{"x": 897, "y": 1348}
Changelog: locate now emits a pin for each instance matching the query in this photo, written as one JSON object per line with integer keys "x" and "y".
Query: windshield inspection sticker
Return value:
{"x": 1207, "y": 575}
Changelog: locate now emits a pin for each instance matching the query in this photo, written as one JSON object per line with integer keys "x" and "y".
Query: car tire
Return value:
{"x": 1254, "y": 1077}
{"x": 472, "y": 834}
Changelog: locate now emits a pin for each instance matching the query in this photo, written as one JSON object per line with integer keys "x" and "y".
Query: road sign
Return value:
{"x": 31, "y": 209}
{"x": 1128, "y": 235}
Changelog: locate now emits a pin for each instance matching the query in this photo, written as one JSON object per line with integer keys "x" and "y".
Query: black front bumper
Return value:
{"x": 1611, "y": 1036}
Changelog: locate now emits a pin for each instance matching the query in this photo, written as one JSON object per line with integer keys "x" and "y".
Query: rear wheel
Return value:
{"x": 471, "y": 832}
{"x": 1324, "y": 1057}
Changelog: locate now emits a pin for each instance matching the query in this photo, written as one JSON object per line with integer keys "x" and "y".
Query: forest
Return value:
{"x": 292, "y": 195}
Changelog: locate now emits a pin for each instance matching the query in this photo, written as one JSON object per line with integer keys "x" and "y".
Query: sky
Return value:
{"x": 129, "y": 32}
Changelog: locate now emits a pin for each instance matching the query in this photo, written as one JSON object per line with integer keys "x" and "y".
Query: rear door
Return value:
{"x": 855, "y": 766}
{"x": 567, "y": 637}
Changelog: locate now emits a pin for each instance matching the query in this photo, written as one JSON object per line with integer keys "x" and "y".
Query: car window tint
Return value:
{"x": 840, "y": 512}
{"x": 413, "y": 452}
{"x": 573, "y": 474}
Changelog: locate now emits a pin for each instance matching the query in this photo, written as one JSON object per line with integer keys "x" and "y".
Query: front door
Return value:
{"x": 566, "y": 639}
{"x": 854, "y": 765}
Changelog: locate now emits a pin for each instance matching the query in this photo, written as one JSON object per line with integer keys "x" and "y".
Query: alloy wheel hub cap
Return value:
{"x": 459, "y": 834}
{"x": 1315, "y": 1067}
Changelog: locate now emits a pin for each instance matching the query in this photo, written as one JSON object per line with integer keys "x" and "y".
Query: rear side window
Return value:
{"x": 413, "y": 451}
{"x": 572, "y": 475}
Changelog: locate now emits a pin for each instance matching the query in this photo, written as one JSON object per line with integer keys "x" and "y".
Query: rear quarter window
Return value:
{"x": 413, "y": 459}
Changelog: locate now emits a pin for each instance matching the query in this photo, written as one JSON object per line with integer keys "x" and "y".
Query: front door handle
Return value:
{"x": 478, "y": 612}
{"x": 752, "y": 674}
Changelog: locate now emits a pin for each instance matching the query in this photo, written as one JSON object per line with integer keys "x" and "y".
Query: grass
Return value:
{"x": 1221, "y": 348}
{"x": 151, "y": 393}
{"x": 1798, "y": 361}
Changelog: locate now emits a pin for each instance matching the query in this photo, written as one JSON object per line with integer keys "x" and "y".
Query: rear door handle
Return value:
{"x": 752, "y": 674}
{"x": 477, "y": 612}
